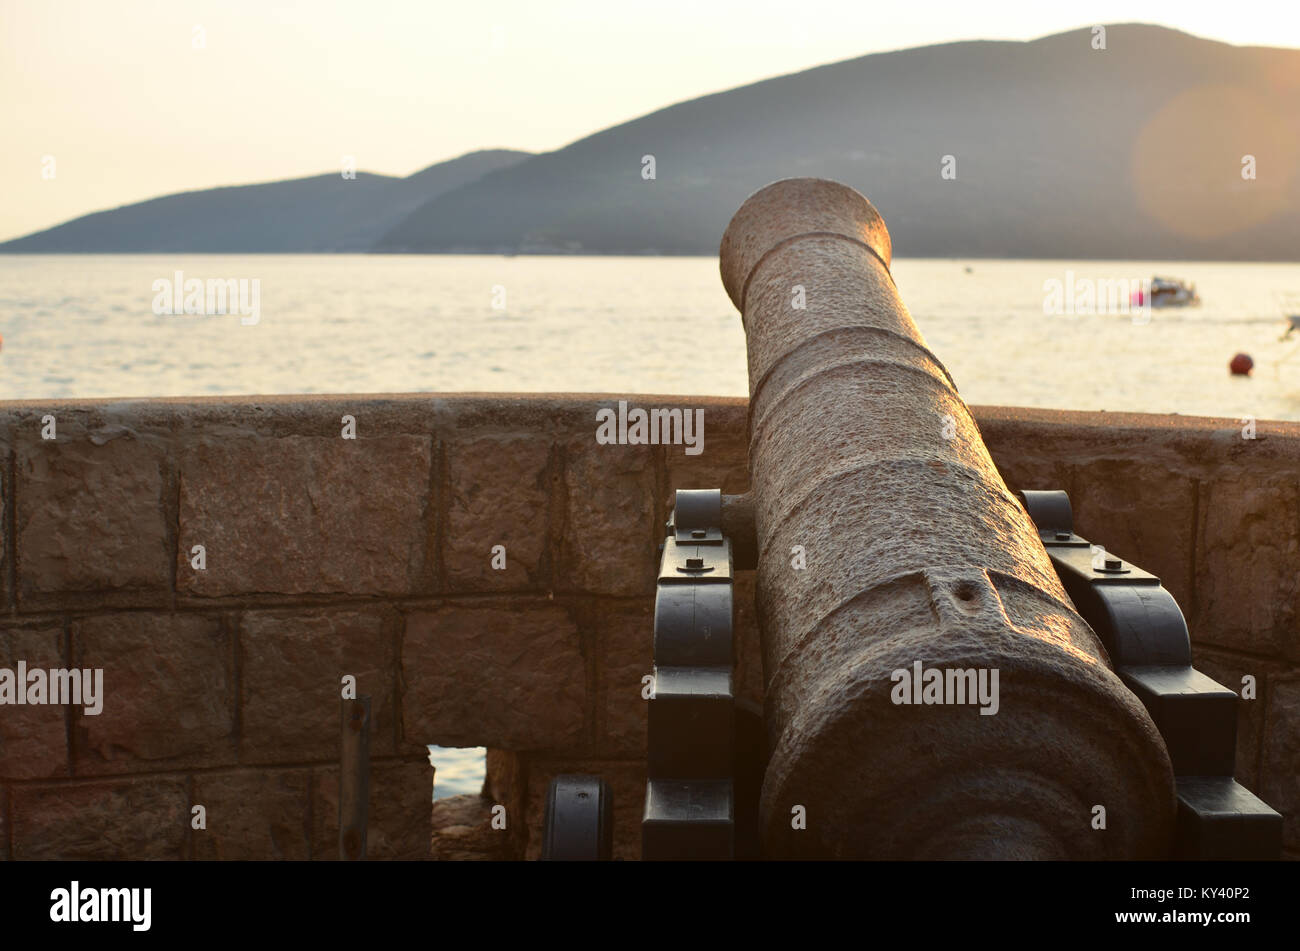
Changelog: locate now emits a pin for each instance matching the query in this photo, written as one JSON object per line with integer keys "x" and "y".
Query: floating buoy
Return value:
{"x": 1241, "y": 365}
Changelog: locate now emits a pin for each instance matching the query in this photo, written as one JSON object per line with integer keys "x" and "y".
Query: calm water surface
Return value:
{"x": 83, "y": 326}
{"x": 457, "y": 771}
{"x": 80, "y": 326}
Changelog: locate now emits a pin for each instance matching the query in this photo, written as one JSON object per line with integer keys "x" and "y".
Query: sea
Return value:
{"x": 1017, "y": 333}
{"x": 457, "y": 771}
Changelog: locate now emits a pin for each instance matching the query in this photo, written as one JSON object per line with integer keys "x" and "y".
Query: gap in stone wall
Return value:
{"x": 458, "y": 770}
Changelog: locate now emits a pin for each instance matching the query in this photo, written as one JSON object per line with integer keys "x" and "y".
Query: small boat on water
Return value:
{"x": 1167, "y": 292}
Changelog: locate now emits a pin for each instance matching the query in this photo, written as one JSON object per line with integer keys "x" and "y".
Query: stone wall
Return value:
{"x": 326, "y": 556}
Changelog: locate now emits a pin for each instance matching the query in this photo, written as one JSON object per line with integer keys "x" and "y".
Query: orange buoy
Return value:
{"x": 1241, "y": 365}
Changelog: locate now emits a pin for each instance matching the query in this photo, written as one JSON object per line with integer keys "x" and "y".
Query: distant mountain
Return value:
{"x": 1060, "y": 149}
{"x": 321, "y": 213}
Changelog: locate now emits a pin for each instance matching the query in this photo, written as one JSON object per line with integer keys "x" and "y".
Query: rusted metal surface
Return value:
{"x": 868, "y": 470}
{"x": 354, "y": 778}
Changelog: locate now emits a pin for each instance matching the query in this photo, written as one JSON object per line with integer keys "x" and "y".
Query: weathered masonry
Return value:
{"x": 327, "y": 556}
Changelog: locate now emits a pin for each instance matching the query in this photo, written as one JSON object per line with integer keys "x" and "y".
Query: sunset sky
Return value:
{"x": 131, "y": 105}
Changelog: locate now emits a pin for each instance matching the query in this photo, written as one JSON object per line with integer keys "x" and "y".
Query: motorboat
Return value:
{"x": 1167, "y": 292}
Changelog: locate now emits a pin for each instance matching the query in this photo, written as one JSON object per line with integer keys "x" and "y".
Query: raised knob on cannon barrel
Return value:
{"x": 931, "y": 690}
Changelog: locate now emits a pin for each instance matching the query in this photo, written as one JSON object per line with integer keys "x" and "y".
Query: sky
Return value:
{"x": 108, "y": 102}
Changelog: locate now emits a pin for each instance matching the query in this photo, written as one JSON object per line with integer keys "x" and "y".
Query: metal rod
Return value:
{"x": 354, "y": 779}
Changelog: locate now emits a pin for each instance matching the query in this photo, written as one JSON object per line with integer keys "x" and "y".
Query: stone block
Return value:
{"x": 1247, "y": 549}
{"x": 399, "y": 823}
{"x": 253, "y": 815}
{"x": 90, "y": 519}
{"x": 723, "y": 462}
{"x": 500, "y": 491}
{"x": 506, "y": 782}
{"x": 121, "y": 820}
{"x": 292, "y": 669}
{"x": 33, "y": 739}
{"x": 504, "y": 674}
{"x": 625, "y": 643}
{"x": 609, "y": 532}
{"x": 169, "y": 693}
{"x": 303, "y": 515}
{"x": 1280, "y": 780}
{"x": 1141, "y": 512}
{"x": 6, "y": 492}
{"x": 463, "y": 832}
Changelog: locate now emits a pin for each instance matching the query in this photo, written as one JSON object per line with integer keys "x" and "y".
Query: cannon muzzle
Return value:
{"x": 931, "y": 690}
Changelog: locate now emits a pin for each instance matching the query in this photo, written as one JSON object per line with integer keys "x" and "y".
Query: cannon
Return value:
{"x": 951, "y": 672}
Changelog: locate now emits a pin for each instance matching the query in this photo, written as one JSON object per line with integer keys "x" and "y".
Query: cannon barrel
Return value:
{"x": 931, "y": 691}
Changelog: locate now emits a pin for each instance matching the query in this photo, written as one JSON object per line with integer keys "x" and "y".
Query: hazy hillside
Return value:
{"x": 321, "y": 213}
{"x": 1061, "y": 151}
